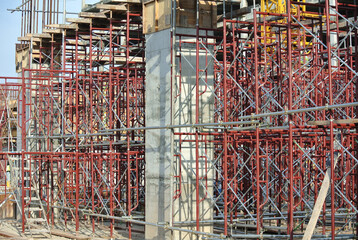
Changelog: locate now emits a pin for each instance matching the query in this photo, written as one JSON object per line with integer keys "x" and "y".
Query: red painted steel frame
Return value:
{"x": 268, "y": 175}
{"x": 10, "y": 91}
{"x": 74, "y": 150}
{"x": 82, "y": 160}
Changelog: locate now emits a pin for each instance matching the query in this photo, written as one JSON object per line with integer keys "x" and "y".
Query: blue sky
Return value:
{"x": 10, "y": 25}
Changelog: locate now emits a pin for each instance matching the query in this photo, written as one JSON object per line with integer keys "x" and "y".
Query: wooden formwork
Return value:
{"x": 157, "y": 14}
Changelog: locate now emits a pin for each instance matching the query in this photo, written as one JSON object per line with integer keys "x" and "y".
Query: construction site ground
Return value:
{"x": 11, "y": 229}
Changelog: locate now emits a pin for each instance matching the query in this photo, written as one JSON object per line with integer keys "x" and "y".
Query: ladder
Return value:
{"x": 34, "y": 214}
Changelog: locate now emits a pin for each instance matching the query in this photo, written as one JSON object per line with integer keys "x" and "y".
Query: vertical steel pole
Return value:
{"x": 290, "y": 119}
{"x": 331, "y": 135}
{"x": 129, "y": 187}
{"x": 23, "y": 145}
{"x": 197, "y": 118}
{"x": 92, "y": 123}
{"x": 257, "y": 131}
{"x": 77, "y": 138}
{"x": 224, "y": 164}
{"x": 111, "y": 125}
{"x": 355, "y": 58}
{"x": 173, "y": 79}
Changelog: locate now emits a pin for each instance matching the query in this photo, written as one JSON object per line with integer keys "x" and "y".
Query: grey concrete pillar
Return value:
{"x": 184, "y": 102}
{"x": 158, "y": 146}
{"x": 162, "y": 145}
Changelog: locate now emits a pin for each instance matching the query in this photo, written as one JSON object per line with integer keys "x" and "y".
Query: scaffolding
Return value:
{"x": 284, "y": 122}
{"x": 264, "y": 122}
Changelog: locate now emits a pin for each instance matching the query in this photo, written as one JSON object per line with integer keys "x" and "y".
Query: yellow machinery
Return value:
{"x": 280, "y": 7}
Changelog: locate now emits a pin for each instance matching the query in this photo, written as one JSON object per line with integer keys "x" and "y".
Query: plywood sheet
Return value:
{"x": 22, "y": 59}
{"x": 149, "y": 17}
{"x": 164, "y": 14}
{"x": 157, "y": 14}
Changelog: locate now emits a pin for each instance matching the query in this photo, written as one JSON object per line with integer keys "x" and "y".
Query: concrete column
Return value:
{"x": 158, "y": 146}
{"x": 185, "y": 113}
{"x": 162, "y": 145}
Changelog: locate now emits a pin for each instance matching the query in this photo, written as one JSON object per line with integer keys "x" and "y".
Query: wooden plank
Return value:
{"x": 6, "y": 205}
{"x": 319, "y": 202}
{"x": 68, "y": 26}
{"x": 111, "y": 7}
{"x": 40, "y": 35}
{"x": 54, "y": 31}
{"x": 28, "y": 38}
{"x": 62, "y": 233}
{"x": 92, "y": 15}
{"x": 338, "y": 121}
{"x": 125, "y": 1}
{"x": 117, "y": 59}
{"x": 80, "y": 43}
{"x": 346, "y": 121}
{"x": 62, "y": 26}
{"x": 318, "y": 123}
{"x": 24, "y": 39}
{"x": 52, "y": 26}
{"x": 86, "y": 37}
{"x": 79, "y": 20}
{"x": 11, "y": 236}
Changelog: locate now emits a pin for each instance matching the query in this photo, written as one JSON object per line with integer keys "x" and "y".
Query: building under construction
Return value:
{"x": 182, "y": 119}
